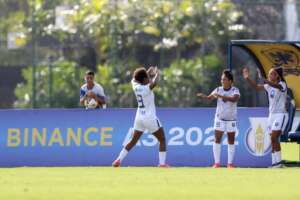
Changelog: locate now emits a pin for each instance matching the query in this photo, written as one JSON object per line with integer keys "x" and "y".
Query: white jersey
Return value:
{"x": 226, "y": 111}
{"x": 277, "y": 98}
{"x": 97, "y": 89}
{"x": 145, "y": 98}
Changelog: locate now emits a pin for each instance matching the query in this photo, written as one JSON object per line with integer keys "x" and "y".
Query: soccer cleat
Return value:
{"x": 164, "y": 165}
{"x": 277, "y": 165}
{"x": 230, "y": 165}
{"x": 116, "y": 163}
{"x": 216, "y": 165}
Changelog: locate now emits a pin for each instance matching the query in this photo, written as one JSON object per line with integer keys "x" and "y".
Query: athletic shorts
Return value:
{"x": 150, "y": 125}
{"x": 277, "y": 122}
{"x": 225, "y": 126}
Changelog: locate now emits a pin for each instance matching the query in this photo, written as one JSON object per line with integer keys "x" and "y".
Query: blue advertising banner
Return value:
{"x": 76, "y": 137}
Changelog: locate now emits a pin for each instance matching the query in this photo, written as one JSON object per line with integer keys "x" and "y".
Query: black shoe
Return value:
{"x": 278, "y": 165}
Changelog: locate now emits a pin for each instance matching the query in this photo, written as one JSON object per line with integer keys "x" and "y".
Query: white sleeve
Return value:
{"x": 133, "y": 83}
{"x": 236, "y": 92}
{"x": 100, "y": 91}
{"x": 141, "y": 89}
{"x": 215, "y": 91}
{"x": 82, "y": 92}
{"x": 267, "y": 87}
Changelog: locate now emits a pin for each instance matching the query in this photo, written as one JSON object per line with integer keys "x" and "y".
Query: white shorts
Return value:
{"x": 150, "y": 125}
{"x": 224, "y": 126}
{"x": 277, "y": 121}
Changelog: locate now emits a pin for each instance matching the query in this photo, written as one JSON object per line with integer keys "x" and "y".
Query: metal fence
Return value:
{"x": 261, "y": 19}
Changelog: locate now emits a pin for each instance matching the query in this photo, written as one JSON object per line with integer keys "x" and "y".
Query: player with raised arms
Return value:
{"x": 226, "y": 116}
{"x": 143, "y": 83}
{"x": 276, "y": 88}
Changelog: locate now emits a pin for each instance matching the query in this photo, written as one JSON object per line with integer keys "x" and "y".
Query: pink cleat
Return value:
{"x": 216, "y": 165}
{"x": 116, "y": 163}
{"x": 230, "y": 165}
{"x": 164, "y": 166}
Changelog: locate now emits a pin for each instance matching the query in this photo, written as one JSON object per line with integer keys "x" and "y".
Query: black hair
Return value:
{"x": 140, "y": 74}
{"x": 228, "y": 74}
{"x": 279, "y": 71}
{"x": 90, "y": 73}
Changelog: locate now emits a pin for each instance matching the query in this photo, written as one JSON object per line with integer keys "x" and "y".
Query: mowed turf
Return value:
{"x": 132, "y": 183}
{"x": 148, "y": 183}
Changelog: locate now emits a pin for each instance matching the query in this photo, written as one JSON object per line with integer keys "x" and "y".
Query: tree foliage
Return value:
{"x": 66, "y": 80}
{"x": 185, "y": 38}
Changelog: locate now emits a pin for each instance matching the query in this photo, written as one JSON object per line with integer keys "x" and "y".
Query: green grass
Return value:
{"x": 148, "y": 183}
{"x": 131, "y": 183}
{"x": 290, "y": 151}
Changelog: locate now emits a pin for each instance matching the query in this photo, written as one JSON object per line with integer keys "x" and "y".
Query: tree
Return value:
{"x": 118, "y": 36}
{"x": 65, "y": 85}
{"x": 182, "y": 80}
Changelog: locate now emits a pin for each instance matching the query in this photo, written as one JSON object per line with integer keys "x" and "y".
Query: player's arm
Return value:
{"x": 83, "y": 97}
{"x": 100, "y": 99}
{"x": 155, "y": 79}
{"x": 233, "y": 98}
{"x": 207, "y": 97}
{"x": 257, "y": 87}
{"x": 82, "y": 100}
{"x": 150, "y": 71}
{"x": 274, "y": 85}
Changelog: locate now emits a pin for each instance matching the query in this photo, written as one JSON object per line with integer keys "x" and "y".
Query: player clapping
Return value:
{"x": 226, "y": 115}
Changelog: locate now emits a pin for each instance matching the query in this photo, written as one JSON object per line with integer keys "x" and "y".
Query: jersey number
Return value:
{"x": 140, "y": 101}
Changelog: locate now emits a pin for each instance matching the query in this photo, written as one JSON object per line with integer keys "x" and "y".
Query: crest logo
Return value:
{"x": 257, "y": 139}
{"x": 288, "y": 59}
{"x": 280, "y": 57}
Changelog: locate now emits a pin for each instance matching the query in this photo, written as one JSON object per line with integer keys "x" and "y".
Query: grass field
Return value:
{"x": 130, "y": 183}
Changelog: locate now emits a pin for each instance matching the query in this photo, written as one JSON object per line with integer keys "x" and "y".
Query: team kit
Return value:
{"x": 227, "y": 95}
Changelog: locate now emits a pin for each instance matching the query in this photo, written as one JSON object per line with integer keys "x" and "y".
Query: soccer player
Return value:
{"x": 92, "y": 91}
{"x": 145, "y": 118}
{"x": 225, "y": 118}
{"x": 276, "y": 88}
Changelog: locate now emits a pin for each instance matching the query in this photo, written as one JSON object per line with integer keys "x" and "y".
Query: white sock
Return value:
{"x": 273, "y": 158}
{"x": 162, "y": 157}
{"x": 278, "y": 156}
{"x": 231, "y": 150}
{"x": 122, "y": 154}
{"x": 217, "y": 152}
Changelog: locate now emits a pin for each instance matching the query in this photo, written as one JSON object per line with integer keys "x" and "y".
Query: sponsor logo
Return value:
{"x": 257, "y": 139}
{"x": 272, "y": 95}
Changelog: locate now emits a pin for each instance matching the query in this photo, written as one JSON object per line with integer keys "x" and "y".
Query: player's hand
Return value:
{"x": 91, "y": 94}
{"x": 201, "y": 95}
{"x": 246, "y": 73}
{"x": 215, "y": 95}
{"x": 223, "y": 98}
{"x": 151, "y": 71}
